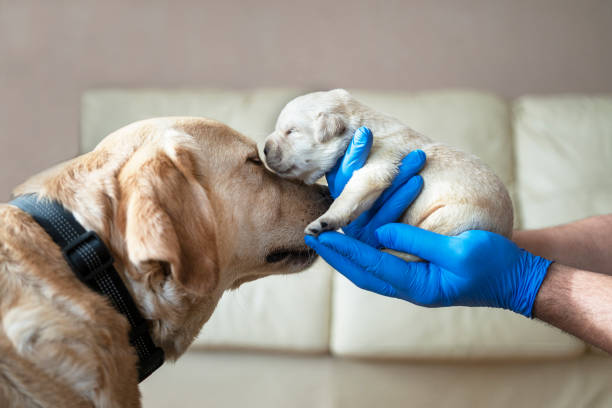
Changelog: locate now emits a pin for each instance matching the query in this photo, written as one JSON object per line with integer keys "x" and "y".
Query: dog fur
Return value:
{"x": 313, "y": 131}
{"x": 187, "y": 210}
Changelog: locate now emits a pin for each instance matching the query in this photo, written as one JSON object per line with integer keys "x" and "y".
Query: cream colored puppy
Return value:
{"x": 313, "y": 131}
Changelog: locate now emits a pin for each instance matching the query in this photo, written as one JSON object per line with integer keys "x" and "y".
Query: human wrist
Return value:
{"x": 530, "y": 272}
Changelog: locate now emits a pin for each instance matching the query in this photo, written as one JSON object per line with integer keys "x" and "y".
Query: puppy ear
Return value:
{"x": 169, "y": 220}
{"x": 328, "y": 125}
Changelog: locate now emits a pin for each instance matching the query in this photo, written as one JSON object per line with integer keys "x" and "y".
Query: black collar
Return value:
{"x": 92, "y": 263}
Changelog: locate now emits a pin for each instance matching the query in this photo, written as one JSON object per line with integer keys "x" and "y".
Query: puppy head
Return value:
{"x": 311, "y": 134}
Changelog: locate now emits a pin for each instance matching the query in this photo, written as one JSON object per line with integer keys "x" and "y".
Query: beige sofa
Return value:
{"x": 315, "y": 340}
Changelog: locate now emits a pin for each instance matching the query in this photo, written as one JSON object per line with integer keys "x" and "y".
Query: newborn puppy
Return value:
{"x": 313, "y": 131}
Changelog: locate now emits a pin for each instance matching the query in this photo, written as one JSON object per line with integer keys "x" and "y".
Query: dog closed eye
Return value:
{"x": 254, "y": 160}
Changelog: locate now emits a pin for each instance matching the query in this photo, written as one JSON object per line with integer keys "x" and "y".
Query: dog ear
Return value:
{"x": 328, "y": 125}
{"x": 169, "y": 220}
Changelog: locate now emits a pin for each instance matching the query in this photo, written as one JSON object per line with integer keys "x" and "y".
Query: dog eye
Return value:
{"x": 255, "y": 160}
{"x": 290, "y": 131}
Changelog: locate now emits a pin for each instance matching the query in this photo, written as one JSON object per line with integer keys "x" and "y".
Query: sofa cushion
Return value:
{"x": 365, "y": 324}
{"x": 281, "y": 312}
{"x": 252, "y": 113}
{"x": 269, "y": 380}
{"x": 563, "y": 158}
{"x": 567, "y": 141}
{"x": 368, "y": 325}
{"x": 476, "y": 122}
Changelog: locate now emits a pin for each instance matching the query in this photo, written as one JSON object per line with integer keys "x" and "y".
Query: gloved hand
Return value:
{"x": 392, "y": 203}
{"x": 475, "y": 268}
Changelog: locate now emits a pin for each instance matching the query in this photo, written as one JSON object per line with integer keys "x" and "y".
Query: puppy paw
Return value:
{"x": 321, "y": 225}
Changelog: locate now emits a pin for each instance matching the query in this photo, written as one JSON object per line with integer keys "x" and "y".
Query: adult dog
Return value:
{"x": 187, "y": 210}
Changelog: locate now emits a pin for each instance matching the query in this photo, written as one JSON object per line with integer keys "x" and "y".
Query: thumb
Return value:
{"x": 357, "y": 151}
{"x": 353, "y": 159}
{"x": 415, "y": 241}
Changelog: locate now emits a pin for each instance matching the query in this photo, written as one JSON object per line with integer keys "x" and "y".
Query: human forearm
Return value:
{"x": 578, "y": 302}
{"x": 583, "y": 244}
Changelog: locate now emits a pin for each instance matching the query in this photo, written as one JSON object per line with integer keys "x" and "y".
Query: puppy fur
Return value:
{"x": 313, "y": 131}
{"x": 187, "y": 210}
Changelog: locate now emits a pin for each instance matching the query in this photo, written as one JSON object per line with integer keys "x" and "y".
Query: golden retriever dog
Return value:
{"x": 460, "y": 192}
{"x": 188, "y": 211}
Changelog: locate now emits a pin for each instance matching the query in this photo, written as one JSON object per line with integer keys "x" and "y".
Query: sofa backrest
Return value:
{"x": 552, "y": 153}
{"x": 563, "y": 157}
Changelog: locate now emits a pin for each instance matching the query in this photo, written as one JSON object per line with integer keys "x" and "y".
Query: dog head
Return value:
{"x": 200, "y": 207}
{"x": 203, "y": 215}
{"x": 311, "y": 134}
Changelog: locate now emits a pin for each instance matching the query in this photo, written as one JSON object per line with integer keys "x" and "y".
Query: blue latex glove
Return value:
{"x": 392, "y": 203}
{"x": 475, "y": 268}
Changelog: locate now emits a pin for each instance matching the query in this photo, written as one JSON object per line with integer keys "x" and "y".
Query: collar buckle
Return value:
{"x": 88, "y": 256}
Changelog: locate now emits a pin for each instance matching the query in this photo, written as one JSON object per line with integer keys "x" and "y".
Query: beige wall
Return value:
{"x": 52, "y": 50}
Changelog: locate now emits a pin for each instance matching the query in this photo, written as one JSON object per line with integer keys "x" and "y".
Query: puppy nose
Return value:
{"x": 273, "y": 154}
{"x": 267, "y": 148}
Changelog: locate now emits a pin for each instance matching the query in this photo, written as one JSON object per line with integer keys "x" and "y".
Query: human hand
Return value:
{"x": 392, "y": 203}
{"x": 475, "y": 268}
